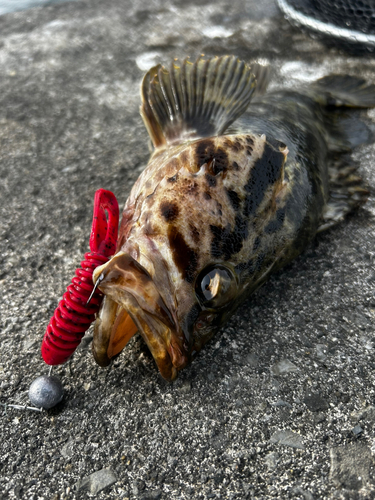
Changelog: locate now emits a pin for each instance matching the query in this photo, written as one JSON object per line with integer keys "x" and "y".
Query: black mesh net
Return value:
{"x": 355, "y": 17}
{"x": 352, "y": 14}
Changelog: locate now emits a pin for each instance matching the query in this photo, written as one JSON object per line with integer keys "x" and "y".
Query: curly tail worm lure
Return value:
{"x": 76, "y": 311}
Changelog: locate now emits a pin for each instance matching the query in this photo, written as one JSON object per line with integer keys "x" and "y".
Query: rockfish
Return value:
{"x": 229, "y": 195}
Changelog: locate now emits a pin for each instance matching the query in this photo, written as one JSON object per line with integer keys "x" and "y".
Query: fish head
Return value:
{"x": 184, "y": 234}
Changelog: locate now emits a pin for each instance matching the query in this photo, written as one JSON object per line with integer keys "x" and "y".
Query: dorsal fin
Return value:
{"x": 192, "y": 100}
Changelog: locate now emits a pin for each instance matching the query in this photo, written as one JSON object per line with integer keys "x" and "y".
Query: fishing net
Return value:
{"x": 352, "y": 21}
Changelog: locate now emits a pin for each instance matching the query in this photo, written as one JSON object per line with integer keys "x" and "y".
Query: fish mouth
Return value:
{"x": 133, "y": 303}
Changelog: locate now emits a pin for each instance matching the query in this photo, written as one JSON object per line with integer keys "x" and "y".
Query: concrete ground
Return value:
{"x": 281, "y": 404}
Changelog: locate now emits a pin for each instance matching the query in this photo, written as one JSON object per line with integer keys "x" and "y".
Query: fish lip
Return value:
{"x": 162, "y": 341}
{"x": 128, "y": 283}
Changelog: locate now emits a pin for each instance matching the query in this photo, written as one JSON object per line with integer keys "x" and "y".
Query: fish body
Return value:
{"x": 228, "y": 197}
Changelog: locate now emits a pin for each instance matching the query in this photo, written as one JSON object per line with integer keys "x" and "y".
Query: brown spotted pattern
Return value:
{"x": 197, "y": 204}
{"x": 194, "y": 198}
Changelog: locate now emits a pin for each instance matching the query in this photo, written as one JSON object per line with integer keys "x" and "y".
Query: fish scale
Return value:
{"x": 233, "y": 191}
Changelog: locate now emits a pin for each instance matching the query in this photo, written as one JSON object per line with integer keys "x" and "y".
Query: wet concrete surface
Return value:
{"x": 281, "y": 404}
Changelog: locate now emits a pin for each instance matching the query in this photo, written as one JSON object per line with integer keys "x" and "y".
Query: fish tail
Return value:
{"x": 341, "y": 98}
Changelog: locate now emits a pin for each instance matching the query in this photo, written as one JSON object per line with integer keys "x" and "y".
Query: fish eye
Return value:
{"x": 215, "y": 286}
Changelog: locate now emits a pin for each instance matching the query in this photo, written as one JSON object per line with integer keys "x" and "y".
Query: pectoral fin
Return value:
{"x": 345, "y": 91}
{"x": 348, "y": 191}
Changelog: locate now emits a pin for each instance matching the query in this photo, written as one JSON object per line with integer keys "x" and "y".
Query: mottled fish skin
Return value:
{"x": 297, "y": 120}
{"x": 244, "y": 203}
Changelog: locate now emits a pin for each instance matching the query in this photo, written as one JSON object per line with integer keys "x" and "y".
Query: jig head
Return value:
{"x": 76, "y": 311}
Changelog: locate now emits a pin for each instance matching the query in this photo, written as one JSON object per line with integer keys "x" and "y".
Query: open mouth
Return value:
{"x": 133, "y": 303}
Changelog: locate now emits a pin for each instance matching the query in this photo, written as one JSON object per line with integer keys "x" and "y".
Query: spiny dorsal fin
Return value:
{"x": 192, "y": 100}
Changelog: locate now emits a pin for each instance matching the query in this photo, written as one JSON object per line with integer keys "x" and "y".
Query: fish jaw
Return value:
{"x": 128, "y": 287}
{"x": 102, "y": 331}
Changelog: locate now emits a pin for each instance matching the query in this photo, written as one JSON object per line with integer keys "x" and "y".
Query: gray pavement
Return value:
{"x": 16, "y": 5}
{"x": 281, "y": 404}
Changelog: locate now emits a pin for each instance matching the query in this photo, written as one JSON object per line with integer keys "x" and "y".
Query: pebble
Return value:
{"x": 357, "y": 430}
{"x": 288, "y": 438}
{"x": 68, "y": 449}
{"x": 97, "y": 482}
{"x": 368, "y": 414}
{"x": 252, "y": 360}
{"x": 152, "y": 495}
{"x": 280, "y": 402}
{"x": 271, "y": 460}
{"x": 321, "y": 352}
{"x": 46, "y": 392}
{"x": 299, "y": 492}
{"x": 319, "y": 418}
{"x": 350, "y": 466}
{"x": 315, "y": 402}
{"x": 185, "y": 387}
{"x": 283, "y": 366}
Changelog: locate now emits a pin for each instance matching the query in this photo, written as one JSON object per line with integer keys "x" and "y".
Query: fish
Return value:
{"x": 239, "y": 182}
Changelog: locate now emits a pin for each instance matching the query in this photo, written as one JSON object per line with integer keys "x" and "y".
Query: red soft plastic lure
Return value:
{"x": 73, "y": 315}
